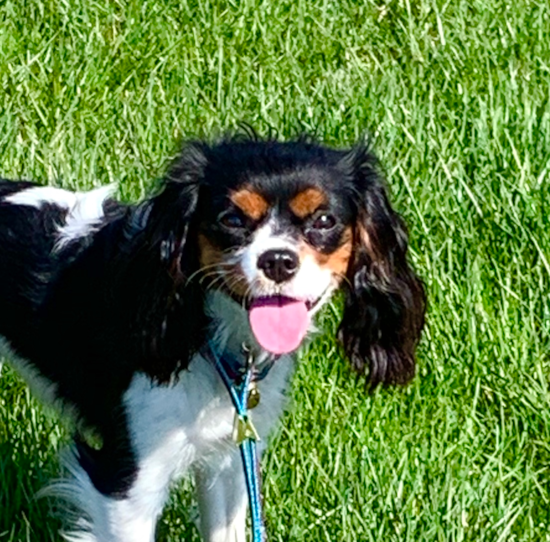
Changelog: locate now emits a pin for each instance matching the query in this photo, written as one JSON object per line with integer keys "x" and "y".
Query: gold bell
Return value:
{"x": 253, "y": 397}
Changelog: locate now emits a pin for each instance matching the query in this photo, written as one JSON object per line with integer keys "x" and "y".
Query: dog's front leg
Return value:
{"x": 110, "y": 519}
{"x": 128, "y": 514}
{"x": 223, "y": 500}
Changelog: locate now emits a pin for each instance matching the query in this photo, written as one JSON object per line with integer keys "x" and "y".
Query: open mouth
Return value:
{"x": 280, "y": 323}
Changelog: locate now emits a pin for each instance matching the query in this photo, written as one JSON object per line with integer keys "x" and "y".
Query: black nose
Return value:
{"x": 278, "y": 265}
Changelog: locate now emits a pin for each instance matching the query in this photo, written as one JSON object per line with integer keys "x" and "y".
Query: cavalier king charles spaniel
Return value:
{"x": 106, "y": 309}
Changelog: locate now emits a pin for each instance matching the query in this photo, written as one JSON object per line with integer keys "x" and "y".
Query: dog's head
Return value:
{"x": 279, "y": 227}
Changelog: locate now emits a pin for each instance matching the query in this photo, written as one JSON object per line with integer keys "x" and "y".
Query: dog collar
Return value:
{"x": 240, "y": 382}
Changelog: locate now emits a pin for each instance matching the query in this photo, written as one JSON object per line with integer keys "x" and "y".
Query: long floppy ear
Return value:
{"x": 385, "y": 301}
{"x": 163, "y": 257}
{"x": 172, "y": 211}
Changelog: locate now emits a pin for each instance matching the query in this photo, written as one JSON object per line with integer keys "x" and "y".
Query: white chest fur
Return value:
{"x": 191, "y": 419}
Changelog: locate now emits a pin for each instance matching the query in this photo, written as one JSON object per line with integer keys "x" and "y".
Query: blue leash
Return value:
{"x": 244, "y": 434}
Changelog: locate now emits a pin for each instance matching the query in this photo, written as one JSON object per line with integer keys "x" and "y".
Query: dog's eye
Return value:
{"x": 232, "y": 220}
{"x": 323, "y": 221}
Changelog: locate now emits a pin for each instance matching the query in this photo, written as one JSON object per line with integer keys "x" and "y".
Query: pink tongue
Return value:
{"x": 279, "y": 323}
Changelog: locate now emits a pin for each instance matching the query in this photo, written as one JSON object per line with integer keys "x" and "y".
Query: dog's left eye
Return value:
{"x": 232, "y": 220}
{"x": 323, "y": 221}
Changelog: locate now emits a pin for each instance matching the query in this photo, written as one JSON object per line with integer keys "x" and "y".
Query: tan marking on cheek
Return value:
{"x": 307, "y": 202}
{"x": 337, "y": 262}
{"x": 212, "y": 259}
{"x": 250, "y": 203}
{"x": 209, "y": 255}
{"x": 236, "y": 282}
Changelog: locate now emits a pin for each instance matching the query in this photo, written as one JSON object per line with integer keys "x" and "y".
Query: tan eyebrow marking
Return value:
{"x": 307, "y": 202}
{"x": 250, "y": 203}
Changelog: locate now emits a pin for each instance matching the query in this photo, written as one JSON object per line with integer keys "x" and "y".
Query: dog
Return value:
{"x": 105, "y": 310}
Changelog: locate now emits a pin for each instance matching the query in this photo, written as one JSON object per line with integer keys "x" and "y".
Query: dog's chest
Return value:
{"x": 191, "y": 419}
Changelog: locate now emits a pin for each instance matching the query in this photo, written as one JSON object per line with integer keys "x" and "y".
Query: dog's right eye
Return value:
{"x": 232, "y": 220}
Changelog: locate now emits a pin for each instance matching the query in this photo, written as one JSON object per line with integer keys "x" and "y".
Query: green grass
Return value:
{"x": 456, "y": 95}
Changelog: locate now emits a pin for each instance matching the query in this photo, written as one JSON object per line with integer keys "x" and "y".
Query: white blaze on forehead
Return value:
{"x": 264, "y": 239}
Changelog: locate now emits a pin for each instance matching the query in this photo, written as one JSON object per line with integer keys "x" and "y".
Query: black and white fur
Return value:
{"x": 104, "y": 308}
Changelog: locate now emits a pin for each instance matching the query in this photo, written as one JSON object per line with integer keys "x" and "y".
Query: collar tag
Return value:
{"x": 240, "y": 386}
{"x": 254, "y": 396}
{"x": 243, "y": 429}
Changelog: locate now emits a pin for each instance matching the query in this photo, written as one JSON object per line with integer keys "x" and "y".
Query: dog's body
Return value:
{"x": 105, "y": 310}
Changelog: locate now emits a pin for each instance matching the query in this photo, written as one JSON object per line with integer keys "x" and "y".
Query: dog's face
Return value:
{"x": 294, "y": 240}
{"x": 280, "y": 226}
{"x": 278, "y": 239}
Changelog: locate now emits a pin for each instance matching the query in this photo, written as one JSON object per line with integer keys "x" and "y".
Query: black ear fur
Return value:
{"x": 385, "y": 301}
{"x": 162, "y": 253}
{"x": 172, "y": 211}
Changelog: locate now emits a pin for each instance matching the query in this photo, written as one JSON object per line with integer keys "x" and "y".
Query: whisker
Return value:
{"x": 205, "y": 267}
{"x": 215, "y": 273}
{"x": 215, "y": 282}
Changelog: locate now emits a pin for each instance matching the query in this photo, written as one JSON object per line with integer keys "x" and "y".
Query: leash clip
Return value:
{"x": 243, "y": 392}
{"x": 243, "y": 429}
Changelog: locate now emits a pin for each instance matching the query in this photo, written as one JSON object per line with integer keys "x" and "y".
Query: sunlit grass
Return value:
{"x": 456, "y": 97}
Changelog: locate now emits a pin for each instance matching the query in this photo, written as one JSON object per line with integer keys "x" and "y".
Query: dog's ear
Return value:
{"x": 385, "y": 300}
{"x": 172, "y": 212}
{"x": 163, "y": 257}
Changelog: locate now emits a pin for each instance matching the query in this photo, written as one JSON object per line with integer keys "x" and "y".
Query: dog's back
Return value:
{"x": 28, "y": 230}
{"x": 43, "y": 231}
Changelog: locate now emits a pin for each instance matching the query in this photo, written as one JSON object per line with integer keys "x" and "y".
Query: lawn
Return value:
{"x": 456, "y": 96}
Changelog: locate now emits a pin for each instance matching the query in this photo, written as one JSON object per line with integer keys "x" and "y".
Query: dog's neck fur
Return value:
{"x": 230, "y": 327}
